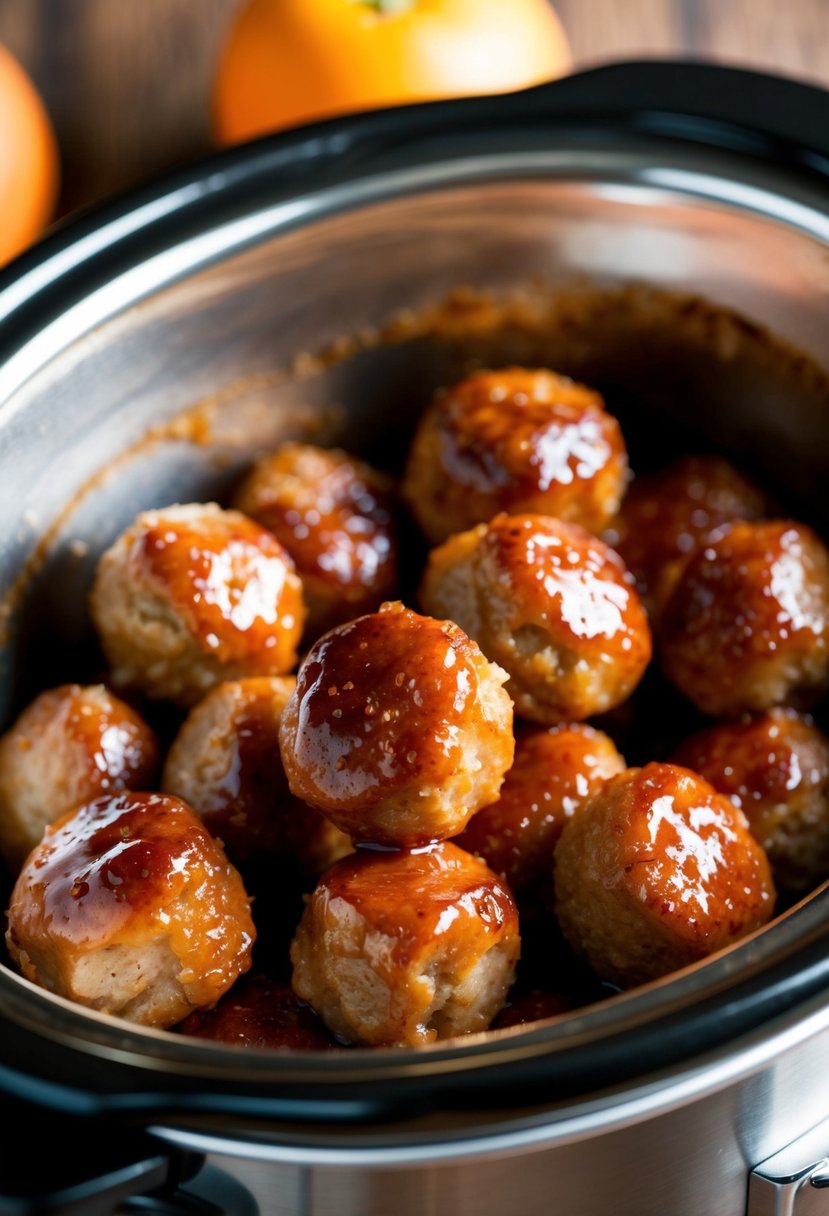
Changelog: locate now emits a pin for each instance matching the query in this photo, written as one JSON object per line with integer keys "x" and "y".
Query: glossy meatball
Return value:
{"x": 399, "y": 729}
{"x": 656, "y": 871}
{"x": 668, "y": 515}
{"x": 192, "y": 595}
{"x": 404, "y": 948}
{"x": 776, "y": 767}
{"x": 747, "y": 626}
{"x": 552, "y": 605}
{"x": 130, "y": 907}
{"x": 70, "y": 745}
{"x": 225, "y": 764}
{"x": 259, "y": 1013}
{"x": 518, "y": 441}
{"x": 554, "y": 773}
{"x": 335, "y": 517}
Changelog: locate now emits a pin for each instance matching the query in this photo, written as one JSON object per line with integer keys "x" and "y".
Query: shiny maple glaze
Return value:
{"x": 666, "y": 516}
{"x": 105, "y": 745}
{"x": 747, "y": 626}
{"x": 128, "y": 869}
{"x": 232, "y": 582}
{"x": 387, "y": 705}
{"x": 550, "y": 603}
{"x": 413, "y": 900}
{"x": 554, "y": 772}
{"x": 262, "y": 1014}
{"x": 658, "y": 870}
{"x": 69, "y": 745}
{"x": 121, "y": 749}
{"x": 515, "y": 440}
{"x": 775, "y": 766}
{"x": 225, "y": 764}
{"x": 334, "y": 515}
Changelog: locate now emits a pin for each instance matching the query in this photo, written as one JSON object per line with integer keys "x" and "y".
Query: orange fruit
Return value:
{"x": 291, "y": 61}
{"x": 28, "y": 160}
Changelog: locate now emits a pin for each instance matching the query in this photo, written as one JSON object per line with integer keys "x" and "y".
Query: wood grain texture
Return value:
{"x": 128, "y": 81}
{"x": 776, "y": 35}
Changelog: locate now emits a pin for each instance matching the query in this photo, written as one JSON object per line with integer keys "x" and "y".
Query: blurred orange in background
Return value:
{"x": 291, "y": 61}
{"x": 28, "y": 160}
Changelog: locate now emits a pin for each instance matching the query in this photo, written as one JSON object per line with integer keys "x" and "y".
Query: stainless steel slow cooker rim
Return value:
{"x": 554, "y": 1123}
{"x": 533, "y": 1040}
{"x": 777, "y": 195}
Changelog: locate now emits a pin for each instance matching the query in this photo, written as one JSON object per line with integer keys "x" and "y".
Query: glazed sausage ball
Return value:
{"x": 776, "y": 767}
{"x": 405, "y": 948}
{"x": 192, "y": 595}
{"x": 656, "y": 871}
{"x": 335, "y": 517}
{"x": 667, "y": 516}
{"x": 130, "y": 907}
{"x": 747, "y": 626}
{"x": 225, "y": 764}
{"x": 552, "y": 605}
{"x": 259, "y": 1013}
{"x": 399, "y": 729}
{"x": 520, "y": 441}
{"x": 554, "y": 773}
{"x": 70, "y": 745}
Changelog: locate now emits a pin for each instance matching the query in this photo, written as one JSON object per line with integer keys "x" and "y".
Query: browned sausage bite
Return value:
{"x": 668, "y": 515}
{"x": 747, "y": 626}
{"x": 552, "y": 605}
{"x": 130, "y": 907}
{"x": 70, "y": 745}
{"x": 519, "y": 441}
{"x": 259, "y": 1013}
{"x": 776, "y": 767}
{"x": 408, "y": 947}
{"x": 399, "y": 728}
{"x": 192, "y": 595}
{"x": 225, "y": 764}
{"x": 554, "y": 773}
{"x": 656, "y": 871}
{"x": 335, "y": 516}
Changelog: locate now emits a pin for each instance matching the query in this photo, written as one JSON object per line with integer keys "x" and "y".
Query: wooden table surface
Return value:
{"x": 127, "y": 81}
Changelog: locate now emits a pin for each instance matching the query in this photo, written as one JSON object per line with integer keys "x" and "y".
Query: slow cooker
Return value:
{"x": 660, "y": 227}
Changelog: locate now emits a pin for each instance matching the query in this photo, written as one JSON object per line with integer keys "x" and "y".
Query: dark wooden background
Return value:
{"x": 127, "y": 81}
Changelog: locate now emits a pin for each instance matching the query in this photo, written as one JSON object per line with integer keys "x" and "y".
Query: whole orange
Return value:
{"x": 291, "y": 61}
{"x": 28, "y": 160}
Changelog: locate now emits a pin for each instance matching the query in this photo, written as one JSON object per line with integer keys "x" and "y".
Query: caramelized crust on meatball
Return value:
{"x": 519, "y": 441}
{"x": 747, "y": 626}
{"x": 776, "y": 767}
{"x": 335, "y": 517}
{"x": 398, "y": 730}
{"x": 225, "y": 764}
{"x": 656, "y": 871}
{"x": 130, "y": 907}
{"x": 70, "y": 745}
{"x": 554, "y": 773}
{"x": 259, "y": 1013}
{"x": 405, "y": 948}
{"x": 552, "y": 605}
{"x": 192, "y": 595}
{"x": 668, "y": 515}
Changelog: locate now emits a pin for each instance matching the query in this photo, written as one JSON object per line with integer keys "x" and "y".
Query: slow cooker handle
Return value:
{"x": 767, "y": 116}
{"x": 703, "y": 102}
